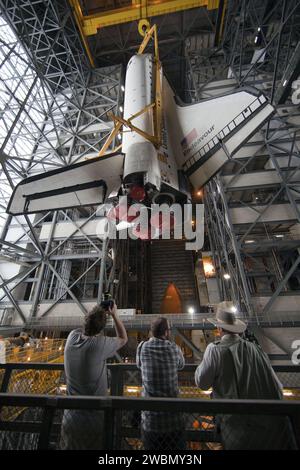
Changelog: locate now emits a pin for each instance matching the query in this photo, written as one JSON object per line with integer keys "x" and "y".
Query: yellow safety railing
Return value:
{"x": 31, "y": 380}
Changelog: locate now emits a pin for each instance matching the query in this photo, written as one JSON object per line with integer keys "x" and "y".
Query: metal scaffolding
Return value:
{"x": 252, "y": 205}
{"x": 54, "y": 112}
{"x": 52, "y": 262}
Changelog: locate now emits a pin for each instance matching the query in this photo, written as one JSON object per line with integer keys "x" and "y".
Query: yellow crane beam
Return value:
{"x": 79, "y": 21}
{"x": 138, "y": 9}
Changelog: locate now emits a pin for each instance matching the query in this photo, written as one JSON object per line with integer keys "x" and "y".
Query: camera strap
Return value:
{"x": 140, "y": 347}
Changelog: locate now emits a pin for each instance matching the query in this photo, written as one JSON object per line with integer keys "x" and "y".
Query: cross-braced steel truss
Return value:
{"x": 54, "y": 112}
{"x": 252, "y": 206}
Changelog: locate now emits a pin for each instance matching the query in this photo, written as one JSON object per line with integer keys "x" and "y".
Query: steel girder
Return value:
{"x": 48, "y": 33}
{"x": 136, "y": 11}
{"x": 240, "y": 60}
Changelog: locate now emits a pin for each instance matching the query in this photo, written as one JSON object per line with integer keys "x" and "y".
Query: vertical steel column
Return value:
{"x": 102, "y": 268}
{"x": 236, "y": 250}
{"x": 36, "y": 298}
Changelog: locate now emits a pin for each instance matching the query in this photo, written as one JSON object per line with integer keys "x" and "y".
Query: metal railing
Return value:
{"x": 42, "y": 350}
{"x": 31, "y": 420}
{"x": 186, "y": 321}
{"x": 46, "y": 427}
{"x": 124, "y": 379}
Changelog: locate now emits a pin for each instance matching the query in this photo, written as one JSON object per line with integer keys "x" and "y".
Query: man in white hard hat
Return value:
{"x": 239, "y": 369}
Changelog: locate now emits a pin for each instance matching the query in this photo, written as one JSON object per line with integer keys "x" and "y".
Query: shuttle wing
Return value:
{"x": 82, "y": 184}
{"x": 206, "y": 134}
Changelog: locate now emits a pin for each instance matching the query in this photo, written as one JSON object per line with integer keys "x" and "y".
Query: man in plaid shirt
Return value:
{"x": 159, "y": 360}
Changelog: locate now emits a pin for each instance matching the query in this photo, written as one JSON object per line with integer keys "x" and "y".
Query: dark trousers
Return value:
{"x": 163, "y": 441}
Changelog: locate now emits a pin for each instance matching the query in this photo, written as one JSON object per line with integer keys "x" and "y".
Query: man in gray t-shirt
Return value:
{"x": 86, "y": 374}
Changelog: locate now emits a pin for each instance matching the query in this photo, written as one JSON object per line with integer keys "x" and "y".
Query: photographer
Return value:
{"x": 236, "y": 368}
{"x": 86, "y": 374}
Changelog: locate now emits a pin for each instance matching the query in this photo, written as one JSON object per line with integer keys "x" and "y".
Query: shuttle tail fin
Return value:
{"x": 210, "y": 132}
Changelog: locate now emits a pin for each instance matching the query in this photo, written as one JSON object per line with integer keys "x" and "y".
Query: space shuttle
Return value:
{"x": 167, "y": 146}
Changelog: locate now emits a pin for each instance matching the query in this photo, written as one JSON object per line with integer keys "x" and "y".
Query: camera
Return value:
{"x": 107, "y": 301}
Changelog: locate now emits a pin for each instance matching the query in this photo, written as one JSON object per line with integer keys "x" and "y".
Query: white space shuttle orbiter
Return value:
{"x": 165, "y": 145}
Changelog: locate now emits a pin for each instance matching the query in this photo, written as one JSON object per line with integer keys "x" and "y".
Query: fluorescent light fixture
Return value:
{"x": 132, "y": 389}
{"x": 226, "y": 276}
{"x": 256, "y": 39}
{"x": 249, "y": 241}
{"x": 208, "y": 267}
{"x": 120, "y": 136}
{"x": 122, "y": 88}
{"x": 121, "y": 109}
{"x": 279, "y": 236}
{"x": 284, "y": 83}
{"x": 234, "y": 309}
{"x": 191, "y": 310}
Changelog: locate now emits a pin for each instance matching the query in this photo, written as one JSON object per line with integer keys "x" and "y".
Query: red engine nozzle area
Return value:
{"x": 141, "y": 229}
{"x": 137, "y": 193}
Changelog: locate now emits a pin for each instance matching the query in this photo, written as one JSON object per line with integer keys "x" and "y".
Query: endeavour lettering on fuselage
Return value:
{"x": 196, "y": 143}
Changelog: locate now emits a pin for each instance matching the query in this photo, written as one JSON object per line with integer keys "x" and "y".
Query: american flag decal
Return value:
{"x": 188, "y": 139}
